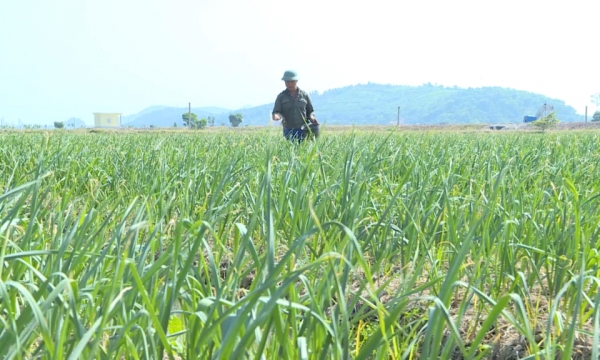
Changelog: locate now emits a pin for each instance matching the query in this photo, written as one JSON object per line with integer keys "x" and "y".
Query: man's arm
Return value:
{"x": 277, "y": 109}
{"x": 310, "y": 110}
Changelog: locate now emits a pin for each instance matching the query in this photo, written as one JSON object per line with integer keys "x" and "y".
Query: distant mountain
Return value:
{"x": 74, "y": 123}
{"x": 214, "y": 109}
{"x": 129, "y": 118}
{"x": 377, "y": 104}
{"x": 168, "y": 116}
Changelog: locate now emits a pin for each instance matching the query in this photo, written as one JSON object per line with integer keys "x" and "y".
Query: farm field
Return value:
{"x": 361, "y": 245}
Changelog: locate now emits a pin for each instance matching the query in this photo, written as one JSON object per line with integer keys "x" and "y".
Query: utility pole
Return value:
{"x": 189, "y": 115}
{"x": 586, "y": 114}
{"x": 398, "y": 122}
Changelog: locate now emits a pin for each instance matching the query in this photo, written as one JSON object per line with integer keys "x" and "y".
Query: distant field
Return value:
{"x": 276, "y": 128}
{"x": 236, "y": 244}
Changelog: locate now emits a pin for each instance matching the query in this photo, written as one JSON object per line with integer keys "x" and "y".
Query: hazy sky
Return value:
{"x": 64, "y": 58}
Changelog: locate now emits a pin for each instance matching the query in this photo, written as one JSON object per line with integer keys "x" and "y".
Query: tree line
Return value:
{"x": 191, "y": 120}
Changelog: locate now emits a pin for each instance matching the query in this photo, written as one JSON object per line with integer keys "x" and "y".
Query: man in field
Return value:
{"x": 293, "y": 105}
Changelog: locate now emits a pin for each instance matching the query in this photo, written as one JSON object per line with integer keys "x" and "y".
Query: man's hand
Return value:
{"x": 276, "y": 117}
{"x": 313, "y": 120}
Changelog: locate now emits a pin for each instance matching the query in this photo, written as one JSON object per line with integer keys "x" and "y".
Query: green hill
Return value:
{"x": 377, "y": 104}
{"x": 74, "y": 123}
{"x": 428, "y": 104}
{"x": 167, "y": 116}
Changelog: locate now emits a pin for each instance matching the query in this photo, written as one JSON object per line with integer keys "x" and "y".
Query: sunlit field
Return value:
{"x": 240, "y": 245}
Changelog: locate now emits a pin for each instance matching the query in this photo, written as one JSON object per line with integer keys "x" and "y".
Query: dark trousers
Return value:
{"x": 294, "y": 134}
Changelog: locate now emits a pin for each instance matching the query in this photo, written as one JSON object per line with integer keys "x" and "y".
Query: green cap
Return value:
{"x": 290, "y": 75}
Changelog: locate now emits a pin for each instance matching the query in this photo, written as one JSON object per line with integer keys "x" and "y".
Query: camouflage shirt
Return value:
{"x": 294, "y": 111}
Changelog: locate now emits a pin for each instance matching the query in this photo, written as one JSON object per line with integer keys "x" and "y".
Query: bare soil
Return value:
{"x": 503, "y": 339}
